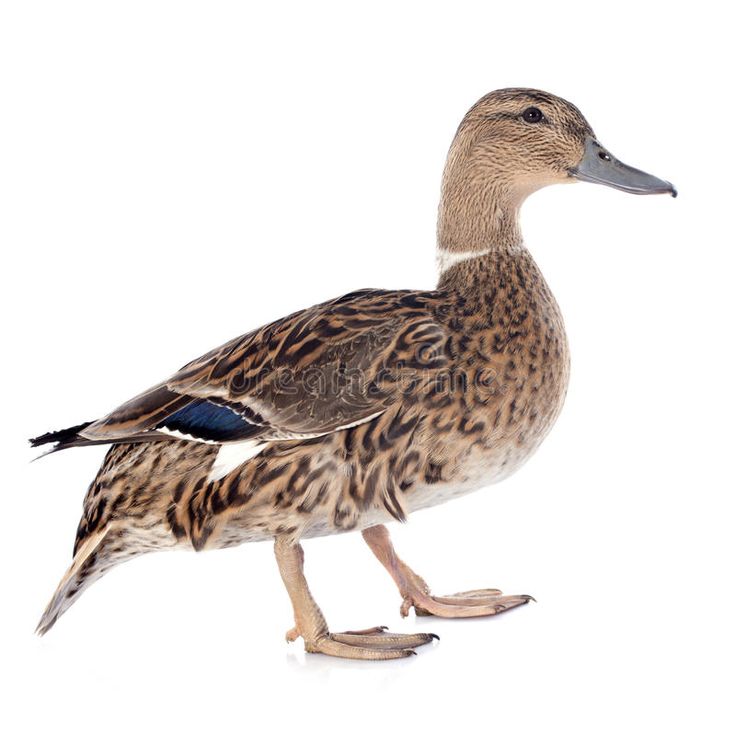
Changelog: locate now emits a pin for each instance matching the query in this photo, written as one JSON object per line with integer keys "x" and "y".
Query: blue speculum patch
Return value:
{"x": 209, "y": 421}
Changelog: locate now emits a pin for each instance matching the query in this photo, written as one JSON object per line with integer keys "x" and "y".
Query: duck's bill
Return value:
{"x": 600, "y": 167}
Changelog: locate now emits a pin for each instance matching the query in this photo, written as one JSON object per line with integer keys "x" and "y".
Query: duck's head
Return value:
{"x": 513, "y": 142}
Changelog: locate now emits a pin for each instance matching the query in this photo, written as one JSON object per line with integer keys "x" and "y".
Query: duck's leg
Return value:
{"x": 310, "y": 624}
{"x": 415, "y": 592}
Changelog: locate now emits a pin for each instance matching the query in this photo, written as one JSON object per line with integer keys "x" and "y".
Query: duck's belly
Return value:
{"x": 498, "y": 453}
{"x": 470, "y": 470}
{"x": 475, "y": 471}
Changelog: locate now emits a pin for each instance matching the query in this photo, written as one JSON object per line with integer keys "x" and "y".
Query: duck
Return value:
{"x": 364, "y": 409}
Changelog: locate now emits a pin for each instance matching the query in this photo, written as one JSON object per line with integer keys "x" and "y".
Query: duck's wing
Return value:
{"x": 321, "y": 370}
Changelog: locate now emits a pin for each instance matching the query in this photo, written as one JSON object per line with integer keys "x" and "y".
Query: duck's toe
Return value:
{"x": 468, "y": 604}
{"x": 375, "y": 644}
{"x": 379, "y": 638}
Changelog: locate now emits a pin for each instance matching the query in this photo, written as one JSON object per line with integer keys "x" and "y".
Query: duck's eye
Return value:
{"x": 532, "y": 115}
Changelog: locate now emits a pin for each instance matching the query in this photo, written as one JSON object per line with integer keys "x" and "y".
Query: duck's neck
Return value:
{"x": 479, "y": 207}
{"x": 475, "y": 226}
{"x": 477, "y": 219}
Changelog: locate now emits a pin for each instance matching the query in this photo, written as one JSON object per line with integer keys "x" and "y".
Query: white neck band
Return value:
{"x": 446, "y": 259}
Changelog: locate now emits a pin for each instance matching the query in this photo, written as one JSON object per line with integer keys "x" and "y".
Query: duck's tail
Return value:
{"x": 62, "y": 438}
{"x": 90, "y": 563}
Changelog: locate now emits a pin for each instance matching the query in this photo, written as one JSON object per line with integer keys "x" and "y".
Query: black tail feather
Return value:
{"x": 64, "y": 437}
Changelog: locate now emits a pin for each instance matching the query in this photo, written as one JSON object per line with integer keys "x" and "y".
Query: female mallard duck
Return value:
{"x": 365, "y": 408}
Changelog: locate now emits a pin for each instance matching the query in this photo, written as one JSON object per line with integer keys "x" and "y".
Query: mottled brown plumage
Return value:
{"x": 360, "y": 410}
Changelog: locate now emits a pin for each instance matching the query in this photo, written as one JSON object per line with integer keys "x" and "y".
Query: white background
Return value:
{"x": 175, "y": 174}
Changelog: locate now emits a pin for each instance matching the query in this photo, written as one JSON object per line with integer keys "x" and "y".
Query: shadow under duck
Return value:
{"x": 368, "y": 407}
